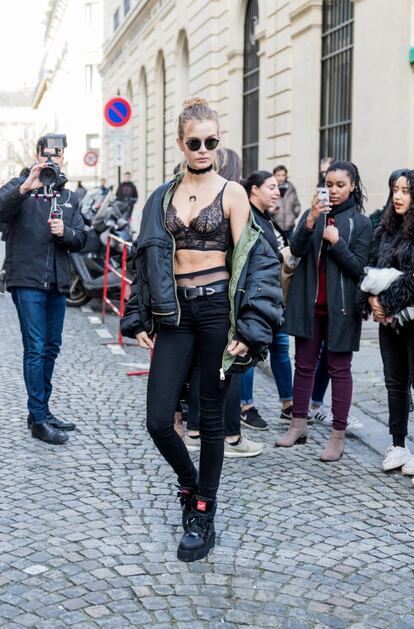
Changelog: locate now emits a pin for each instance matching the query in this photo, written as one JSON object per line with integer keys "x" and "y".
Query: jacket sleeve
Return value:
{"x": 361, "y": 297}
{"x": 296, "y": 207}
{"x": 352, "y": 262}
{"x": 137, "y": 315}
{"x": 261, "y": 309}
{"x": 301, "y": 240}
{"x": 11, "y": 199}
{"x": 399, "y": 295}
{"x": 373, "y": 254}
{"x": 74, "y": 235}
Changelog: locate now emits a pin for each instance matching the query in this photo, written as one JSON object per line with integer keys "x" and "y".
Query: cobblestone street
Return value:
{"x": 88, "y": 530}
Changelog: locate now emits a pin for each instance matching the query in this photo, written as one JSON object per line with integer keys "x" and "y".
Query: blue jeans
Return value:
{"x": 41, "y": 315}
{"x": 281, "y": 369}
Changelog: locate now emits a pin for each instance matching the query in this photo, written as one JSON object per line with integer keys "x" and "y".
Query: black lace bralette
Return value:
{"x": 208, "y": 231}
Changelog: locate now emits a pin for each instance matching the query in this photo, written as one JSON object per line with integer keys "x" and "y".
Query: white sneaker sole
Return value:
{"x": 192, "y": 447}
{"x": 241, "y": 455}
{"x": 392, "y": 466}
{"x": 253, "y": 427}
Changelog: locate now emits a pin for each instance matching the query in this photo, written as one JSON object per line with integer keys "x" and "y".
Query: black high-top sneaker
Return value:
{"x": 200, "y": 536}
{"x": 185, "y": 494}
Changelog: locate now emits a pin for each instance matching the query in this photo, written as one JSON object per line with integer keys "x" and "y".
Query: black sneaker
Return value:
{"x": 286, "y": 413}
{"x": 252, "y": 419}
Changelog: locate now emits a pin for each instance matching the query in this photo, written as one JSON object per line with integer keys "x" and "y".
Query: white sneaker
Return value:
{"x": 245, "y": 448}
{"x": 192, "y": 443}
{"x": 395, "y": 457}
{"x": 353, "y": 424}
{"x": 408, "y": 468}
{"x": 320, "y": 415}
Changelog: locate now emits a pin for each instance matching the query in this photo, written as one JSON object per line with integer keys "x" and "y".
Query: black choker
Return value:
{"x": 199, "y": 171}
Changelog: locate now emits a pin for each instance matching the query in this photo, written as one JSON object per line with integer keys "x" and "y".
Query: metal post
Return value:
{"x": 123, "y": 286}
{"x": 105, "y": 288}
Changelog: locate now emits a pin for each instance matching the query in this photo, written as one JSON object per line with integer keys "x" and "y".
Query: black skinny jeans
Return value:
{"x": 231, "y": 408}
{"x": 204, "y": 327}
{"x": 397, "y": 352}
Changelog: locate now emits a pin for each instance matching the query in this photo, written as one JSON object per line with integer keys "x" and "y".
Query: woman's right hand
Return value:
{"x": 377, "y": 309}
{"x": 144, "y": 340}
{"x": 317, "y": 208}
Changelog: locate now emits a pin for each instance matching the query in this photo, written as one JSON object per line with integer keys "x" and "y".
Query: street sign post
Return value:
{"x": 90, "y": 158}
{"x": 119, "y": 154}
{"x": 117, "y": 112}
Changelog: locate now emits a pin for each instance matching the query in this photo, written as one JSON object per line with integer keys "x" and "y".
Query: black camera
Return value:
{"x": 51, "y": 175}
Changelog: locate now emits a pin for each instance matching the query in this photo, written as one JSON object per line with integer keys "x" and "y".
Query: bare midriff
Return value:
{"x": 192, "y": 264}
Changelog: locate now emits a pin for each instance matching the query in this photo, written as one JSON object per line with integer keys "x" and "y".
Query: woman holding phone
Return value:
{"x": 333, "y": 242}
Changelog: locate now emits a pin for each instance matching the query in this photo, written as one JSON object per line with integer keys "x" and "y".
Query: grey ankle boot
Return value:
{"x": 334, "y": 449}
{"x": 297, "y": 434}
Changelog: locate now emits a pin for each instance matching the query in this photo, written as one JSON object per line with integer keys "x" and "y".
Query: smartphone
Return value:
{"x": 323, "y": 197}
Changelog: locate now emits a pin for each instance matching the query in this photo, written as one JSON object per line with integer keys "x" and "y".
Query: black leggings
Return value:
{"x": 204, "y": 327}
{"x": 397, "y": 352}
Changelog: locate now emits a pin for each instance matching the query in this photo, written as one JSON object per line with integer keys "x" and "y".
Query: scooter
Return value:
{"x": 87, "y": 266}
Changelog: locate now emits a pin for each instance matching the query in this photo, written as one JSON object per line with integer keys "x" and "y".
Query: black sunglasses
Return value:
{"x": 194, "y": 144}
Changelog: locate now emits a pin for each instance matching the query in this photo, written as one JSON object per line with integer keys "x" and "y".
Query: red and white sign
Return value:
{"x": 90, "y": 158}
{"x": 117, "y": 112}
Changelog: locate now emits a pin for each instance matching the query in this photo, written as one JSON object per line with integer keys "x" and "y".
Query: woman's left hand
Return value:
{"x": 237, "y": 348}
{"x": 331, "y": 234}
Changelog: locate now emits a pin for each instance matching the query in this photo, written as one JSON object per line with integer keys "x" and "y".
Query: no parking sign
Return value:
{"x": 117, "y": 112}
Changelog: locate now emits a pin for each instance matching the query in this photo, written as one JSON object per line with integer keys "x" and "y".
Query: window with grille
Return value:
{"x": 336, "y": 79}
{"x": 250, "y": 147}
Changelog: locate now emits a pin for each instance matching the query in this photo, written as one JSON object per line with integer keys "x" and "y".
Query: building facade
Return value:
{"x": 17, "y": 133}
{"x": 68, "y": 97}
{"x": 292, "y": 80}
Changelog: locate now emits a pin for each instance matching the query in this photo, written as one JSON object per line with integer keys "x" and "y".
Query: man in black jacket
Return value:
{"x": 126, "y": 189}
{"x": 38, "y": 277}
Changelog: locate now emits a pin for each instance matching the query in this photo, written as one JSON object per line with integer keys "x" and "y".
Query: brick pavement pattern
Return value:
{"x": 88, "y": 531}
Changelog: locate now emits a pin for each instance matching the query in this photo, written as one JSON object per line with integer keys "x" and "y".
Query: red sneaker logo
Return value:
{"x": 201, "y": 505}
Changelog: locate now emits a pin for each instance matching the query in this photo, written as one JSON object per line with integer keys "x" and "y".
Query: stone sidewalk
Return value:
{"x": 88, "y": 531}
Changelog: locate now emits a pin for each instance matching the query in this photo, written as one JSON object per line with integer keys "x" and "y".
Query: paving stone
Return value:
{"x": 299, "y": 544}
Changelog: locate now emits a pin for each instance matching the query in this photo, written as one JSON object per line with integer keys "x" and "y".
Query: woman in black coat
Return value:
{"x": 393, "y": 248}
{"x": 333, "y": 244}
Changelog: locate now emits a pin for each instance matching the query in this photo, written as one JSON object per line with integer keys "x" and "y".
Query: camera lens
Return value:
{"x": 49, "y": 174}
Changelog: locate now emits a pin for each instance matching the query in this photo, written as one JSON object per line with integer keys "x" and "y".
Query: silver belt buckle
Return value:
{"x": 186, "y": 288}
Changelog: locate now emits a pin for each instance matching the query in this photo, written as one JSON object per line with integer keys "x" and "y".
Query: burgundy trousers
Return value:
{"x": 339, "y": 368}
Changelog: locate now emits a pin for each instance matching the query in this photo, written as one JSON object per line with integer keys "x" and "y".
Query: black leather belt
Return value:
{"x": 192, "y": 292}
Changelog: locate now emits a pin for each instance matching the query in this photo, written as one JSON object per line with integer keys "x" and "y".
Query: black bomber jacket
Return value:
{"x": 256, "y": 299}
{"x": 31, "y": 250}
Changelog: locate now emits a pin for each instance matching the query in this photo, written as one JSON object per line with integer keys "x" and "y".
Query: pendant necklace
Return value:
{"x": 192, "y": 197}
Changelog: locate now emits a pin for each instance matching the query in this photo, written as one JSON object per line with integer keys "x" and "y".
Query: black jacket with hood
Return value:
{"x": 345, "y": 262}
{"x": 256, "y": 300}
{"x": 34, "y": 257}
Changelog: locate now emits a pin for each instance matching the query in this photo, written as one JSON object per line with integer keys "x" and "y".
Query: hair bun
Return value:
{"x": 194, "y": 101}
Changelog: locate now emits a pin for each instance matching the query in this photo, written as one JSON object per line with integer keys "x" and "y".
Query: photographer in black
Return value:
{"x": 43, "y": 224}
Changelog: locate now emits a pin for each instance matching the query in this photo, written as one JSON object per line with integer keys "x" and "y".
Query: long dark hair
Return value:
{"x": 391, "y": 221}
{"x": 358, "y": 193}
{"x": 257, "y": 178}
